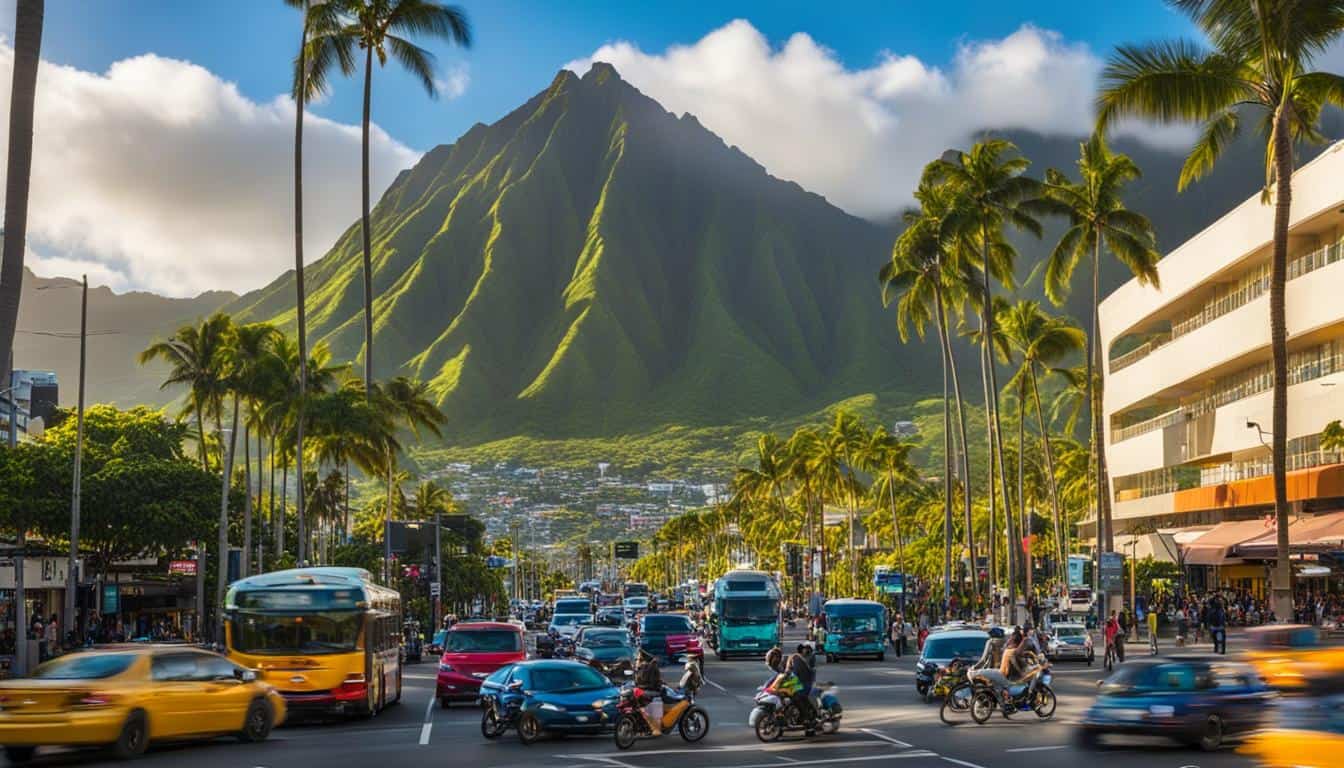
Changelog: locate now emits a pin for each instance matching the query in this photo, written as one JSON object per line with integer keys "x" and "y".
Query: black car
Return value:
{"x": 609, "y": 650}
{"x": 609, "y": 616}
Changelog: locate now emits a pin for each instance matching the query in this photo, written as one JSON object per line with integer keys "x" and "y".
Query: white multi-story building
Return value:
{"x": 1188, "y": 379}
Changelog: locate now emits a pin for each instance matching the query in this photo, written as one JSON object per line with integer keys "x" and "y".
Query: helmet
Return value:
{"x": 996, "y": 633}
{"x": 773, "y": 657}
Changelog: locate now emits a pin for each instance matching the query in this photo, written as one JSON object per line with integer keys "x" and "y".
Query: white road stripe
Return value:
{"x": 1037, "y": 749}
{"x": 707, "y": 680}
{"x": 429, "y": 706}
{"x": 424, "y": 733}
{"x": 960, "y": 762}
{"x": 832, "y": 760}
{"x": 785, "y": 759}
{"x": 792, "y": 746}
{"x": 886, "y": 738}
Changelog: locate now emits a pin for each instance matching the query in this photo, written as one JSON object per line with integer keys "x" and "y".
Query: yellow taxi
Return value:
{"x": 125, "y": 697}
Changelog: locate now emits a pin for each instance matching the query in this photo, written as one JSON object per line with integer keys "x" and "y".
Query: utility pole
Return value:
{"x": 20, "y": 596}
{"x": 438, "y": 574}
{"x": 200, "y": 590}
{"x": 72, "y": 567}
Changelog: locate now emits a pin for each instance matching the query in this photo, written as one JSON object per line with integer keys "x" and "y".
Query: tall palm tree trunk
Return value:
{"x": 368, "y": 247}
{"x": 949, "y": 371}
{"x": 1095, "y": 390}
{"x": 1278, "y": 331}
{"x": 1010, "y": 559}
{"x": 200, "y": 431}
{"x": 964, "y": 454}
{"x": 992, "y": 543}
{"x": 895, "y": 514}
{"x": 284, "y": 505}
{"x": 1061, "y": 566}
{"x": 247, "y": 504}
{"x": 23, "y": 95}
{"x": 298, "y": 261}
{"x": 1021, "y": 481}
{"x": 222, "y": 576}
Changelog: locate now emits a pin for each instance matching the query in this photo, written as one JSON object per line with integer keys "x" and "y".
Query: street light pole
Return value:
{"x": 72, "y": 567}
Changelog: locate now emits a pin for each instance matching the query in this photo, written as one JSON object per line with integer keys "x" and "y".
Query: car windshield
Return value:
{"x": 853, "y": 623}
{"x": 484, "y": 641}
{"x": 78, "y": 666}
{"x": 749, "y": 609}
{"x": 667, "y": 624}
{"x": 310, "y": 633}
{"x": 953, "y": 647}
{"x": 563, "y": 679}
{"x": 439, "y": 636}
{"x": 606, "y": 639}
{"x": 570, "y": 620}
{"x": 1070, "y": 631}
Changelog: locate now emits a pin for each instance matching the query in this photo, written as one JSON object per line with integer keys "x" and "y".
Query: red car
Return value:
{"x": 471, "y": 652}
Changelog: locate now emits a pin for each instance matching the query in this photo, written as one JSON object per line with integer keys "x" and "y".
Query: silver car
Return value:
{"x": 1070, "y": 641}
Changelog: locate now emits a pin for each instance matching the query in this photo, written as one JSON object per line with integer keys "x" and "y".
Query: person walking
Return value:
{"x": 1216, "y": 619}
{"x": 1152, "y": 632}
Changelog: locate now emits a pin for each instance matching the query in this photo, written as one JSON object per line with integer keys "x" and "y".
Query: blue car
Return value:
{"x": 1196, "y": 702}
{"x": 548, "y": 696}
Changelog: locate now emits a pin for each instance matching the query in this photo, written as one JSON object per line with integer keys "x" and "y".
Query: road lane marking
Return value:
{"x": 785, "y": 759}
{"x": 1037, "y": 749}
{"x": 424, "y": 733}
{"x": 886, "y": 738}
{"x": 728, "y": 748}
{"x": 429, "y": 705}
{"x": 707, "y": 680}
{"x": 833, "y": 760}
{"x": 960, "y": 762}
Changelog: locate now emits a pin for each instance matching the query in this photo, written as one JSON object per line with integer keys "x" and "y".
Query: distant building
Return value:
{"x": 33, "y": 395}
{"x": 905, "y": 429}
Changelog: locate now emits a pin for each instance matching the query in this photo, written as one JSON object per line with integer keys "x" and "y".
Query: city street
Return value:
{"x": 885, "y": 723}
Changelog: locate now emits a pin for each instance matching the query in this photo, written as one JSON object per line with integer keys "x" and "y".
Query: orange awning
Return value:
{"x": 1215, "y": 546}
{"x": 1304, "y": 484}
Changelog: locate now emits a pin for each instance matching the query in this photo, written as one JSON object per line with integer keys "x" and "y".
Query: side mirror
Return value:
{"x": 246, "y": 675}
{"x": 516, "y": 685}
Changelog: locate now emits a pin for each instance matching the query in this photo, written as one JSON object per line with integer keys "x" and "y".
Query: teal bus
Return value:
{"x": 745, "y": 614}
{"x": 855, "y": 628}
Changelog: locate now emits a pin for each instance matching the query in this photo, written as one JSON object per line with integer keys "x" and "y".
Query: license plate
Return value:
{"x": 582, "y": 718}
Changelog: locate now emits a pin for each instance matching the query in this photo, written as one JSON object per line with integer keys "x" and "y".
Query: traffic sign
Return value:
{"x": 1112, "y": 572}
{"x": 434, "y": 588}
{"x": 627, "y": 550}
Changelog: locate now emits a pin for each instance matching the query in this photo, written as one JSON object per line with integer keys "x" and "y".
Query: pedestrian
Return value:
{"x": 1152, "y": 632}
{"x": 896, "y": 625}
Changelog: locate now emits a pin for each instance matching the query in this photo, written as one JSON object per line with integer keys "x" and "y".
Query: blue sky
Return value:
{"x": 521, "y": 43}
{"x": 163, "y": 143}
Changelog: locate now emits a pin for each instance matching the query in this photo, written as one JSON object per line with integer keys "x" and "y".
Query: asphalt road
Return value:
{"x": 885, "y": 723}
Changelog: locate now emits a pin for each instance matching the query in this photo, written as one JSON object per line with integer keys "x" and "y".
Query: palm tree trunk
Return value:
{"x": 347, "y": 501}
{"x": 387, "y": 521}
{"x": 945, "y": 336}
{"x": 270, "y": 456}
{"x": 222, "y": 577}
{"x": 1278, "y": 332}
{"x": 1061, "y": 566}
{"x": 284, "y": 505}
{"x": 23, "y": 95}
{"x": 200, "y": 431}
{"x": 1010, "y": 559}
{"x": 1021, "y": 481}
{"x": 947, "y": 454}
{"x": 895, "y": 515}
{"x": 247, "y": 504}
{"x": 298, "y": 252}
{"x": 992, "y": 544}
{"x": 368, "y": 247}
{"x": 1095, "y": 389}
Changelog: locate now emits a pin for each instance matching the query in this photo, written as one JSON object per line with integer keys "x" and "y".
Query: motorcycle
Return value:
{"x": 776, "y": 712}
{"x": 952, "y": 683}
{"x": 498, "y": 716}
{"x": 1033, "y": 693}
{"x": 679, "y": 710}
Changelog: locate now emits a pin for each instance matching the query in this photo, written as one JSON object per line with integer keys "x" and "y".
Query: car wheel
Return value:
{"x": 134, "y": 737}
{"x": 257, "y": 723}
{"x": 19, "y": 755}
{"x": 529, "y": 729}
{"x": 1212, "y": 738}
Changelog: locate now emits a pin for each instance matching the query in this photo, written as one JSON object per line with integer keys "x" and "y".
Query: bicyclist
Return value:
{"x": 1112, "y": 630}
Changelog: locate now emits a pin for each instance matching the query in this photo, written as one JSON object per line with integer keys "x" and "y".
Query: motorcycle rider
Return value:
{"x": 799, "y": 667}
{"x": 650, "y": 678}
{"x": 991, "y": 657}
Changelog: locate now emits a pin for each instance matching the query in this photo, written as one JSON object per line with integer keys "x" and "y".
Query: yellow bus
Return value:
{"x": 328, "y": 639}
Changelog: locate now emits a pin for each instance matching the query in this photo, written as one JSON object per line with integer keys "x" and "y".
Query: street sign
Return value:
{"x": 627, "y": 550}
{"x": 1112, "y": 572}
{"x": 889, "y": 582}
{"x": 495, "y": 561}
{"x": 434, "y": 587}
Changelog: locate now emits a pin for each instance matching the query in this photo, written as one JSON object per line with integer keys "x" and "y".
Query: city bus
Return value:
{"x": 328, "y": 639}
{"x": 635, "y": 589}
{"x": 745, "y": 617}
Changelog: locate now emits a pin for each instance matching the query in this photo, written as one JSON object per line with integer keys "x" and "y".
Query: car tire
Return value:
{"x": 444, "y": 701}
{"x": 1211, "y": 738}
{"x": 880, "y": 657}
{"x": 256, "y": 723}
{"x": 19, "y": 755}
{"x": 529, "y": 729}
{"x": 1087, "y": 739}
{"x": 134, "y": 737}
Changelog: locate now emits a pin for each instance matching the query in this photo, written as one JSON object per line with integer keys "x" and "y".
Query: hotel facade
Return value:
{"x": 1188, "y": 398}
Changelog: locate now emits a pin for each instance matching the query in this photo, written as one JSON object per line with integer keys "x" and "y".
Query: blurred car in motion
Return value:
{"x": 1069, "y": 641}
{"x": 1195, "y": 702}
{"x": 552, "y": 696}
{"x": 1293, "y": 657}
{"x": 568, "y": 624}
{"x": 471, "y": 652}
{"x": 125, "y": 697}
{"x": 609, "y": 650}
{"x": 1309, "y": 733}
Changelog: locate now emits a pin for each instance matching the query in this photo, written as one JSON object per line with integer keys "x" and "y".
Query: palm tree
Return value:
{"x": 407, "y": 403}
{"x": 1259, "y": 61}
{"x": 929, "y": 275}
{"x": 1040, "y": 340}
{"x": 849, "y": 438}
{"x": 887, "y": 458}
{"x": 1098, "y": 219}
{"x": 992, "y": 192}
{"x": 196, "y": 357}
{"x": 377, "y": 27}
{"x": 252, "y": 364}
{"x": 22, "y": 96}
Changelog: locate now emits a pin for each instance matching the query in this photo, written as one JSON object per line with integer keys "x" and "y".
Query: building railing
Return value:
{"x": 1303, "y": 453}
{"x": 1252, "y": 285}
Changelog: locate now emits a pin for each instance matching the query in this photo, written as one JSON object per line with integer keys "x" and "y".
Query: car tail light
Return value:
{"x": 91, "y": 700}
{"x": 353, "y": 688}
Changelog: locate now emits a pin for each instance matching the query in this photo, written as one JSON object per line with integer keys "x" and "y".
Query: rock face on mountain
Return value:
{"x": 592, "y": 263}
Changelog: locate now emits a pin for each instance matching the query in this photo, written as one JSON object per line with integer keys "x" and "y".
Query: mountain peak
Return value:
{"x": 601, "y": 72}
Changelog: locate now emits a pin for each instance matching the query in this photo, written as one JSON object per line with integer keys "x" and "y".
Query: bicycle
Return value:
{"x": 1109, "y": 661}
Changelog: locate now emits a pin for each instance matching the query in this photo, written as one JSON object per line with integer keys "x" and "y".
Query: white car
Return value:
{"x": 636, "y": 604}
{"x": 568, "y": 624}
{"x": 1070, "y": 641}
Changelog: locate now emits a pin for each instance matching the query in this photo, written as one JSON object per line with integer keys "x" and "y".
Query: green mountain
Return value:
{"x": 593, "y": 265}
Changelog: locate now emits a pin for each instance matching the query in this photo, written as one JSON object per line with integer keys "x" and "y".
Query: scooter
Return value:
{"x": 776, "y": 712}
{"x": 679, "y": 710}
{"x": 497, "y": 716}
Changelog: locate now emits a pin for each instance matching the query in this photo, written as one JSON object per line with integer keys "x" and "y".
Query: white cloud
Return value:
{"x": 454, "y": 82}
{"x": 861, "y": 136}
{"x": 174, "y": 181}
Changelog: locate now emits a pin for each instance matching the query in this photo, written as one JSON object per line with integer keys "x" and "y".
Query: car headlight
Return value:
{"x": 445, "y": 666}
{"x": 549, "y": 707}
{"x": 603, "y": 703}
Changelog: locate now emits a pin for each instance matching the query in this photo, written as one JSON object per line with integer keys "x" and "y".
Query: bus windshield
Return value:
{"x": 749, "y": 609}
{"x": 312, "y": 633}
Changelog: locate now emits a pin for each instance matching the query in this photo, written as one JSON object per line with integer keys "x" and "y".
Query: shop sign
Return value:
{"x": 111, "y": 598}
{"x": 182, "y": 567}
